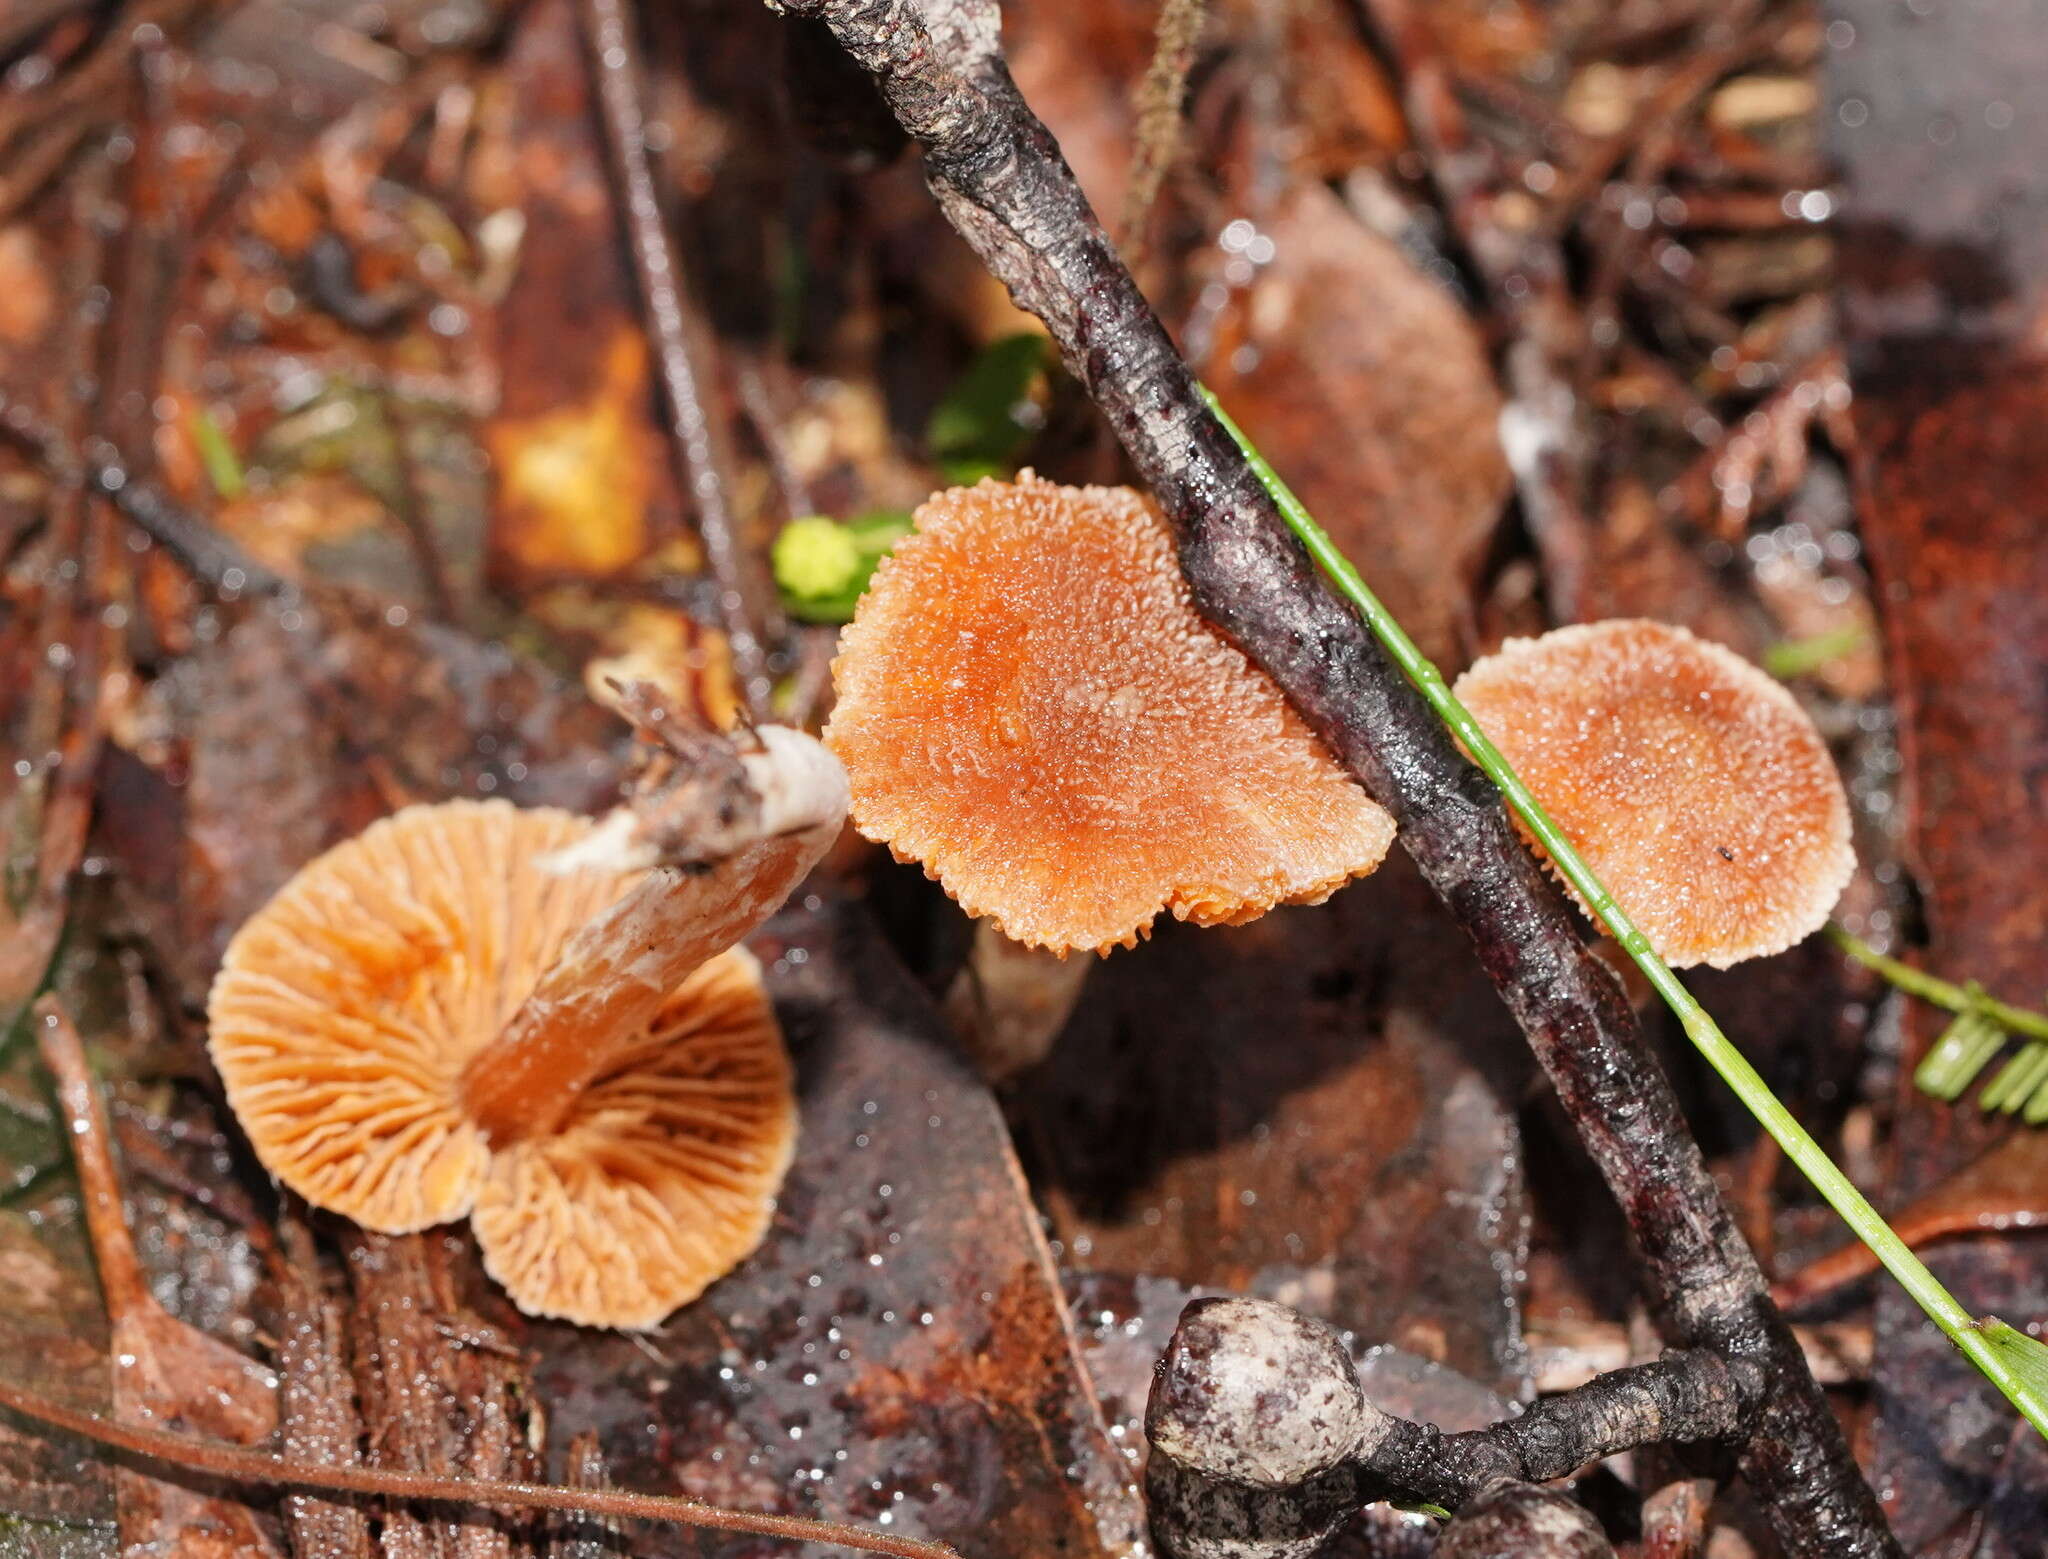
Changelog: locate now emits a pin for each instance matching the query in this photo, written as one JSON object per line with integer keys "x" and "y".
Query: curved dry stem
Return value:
{"x": 239, "y": 1465}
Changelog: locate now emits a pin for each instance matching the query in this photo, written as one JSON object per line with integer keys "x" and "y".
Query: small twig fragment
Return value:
{"x": 240, "y": 1465}
{"x": 682, "y": 349}
{"x": 1161, "y": 100}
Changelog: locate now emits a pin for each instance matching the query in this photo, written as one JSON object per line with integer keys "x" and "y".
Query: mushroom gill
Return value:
{"x": 469, "y": 1010}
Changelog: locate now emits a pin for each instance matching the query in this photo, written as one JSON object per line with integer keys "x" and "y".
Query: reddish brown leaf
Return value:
{"x": 583, "y": 478}
{"x": 1317, "y": 1106}
{"x": 897, "y": 1352}
{"x": 1946, "y": 276}
{"x": 1365, "y": 384}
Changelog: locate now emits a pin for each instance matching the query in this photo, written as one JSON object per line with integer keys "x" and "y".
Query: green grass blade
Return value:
{"x": 1942, "y": 993}
{"x": 1953, "y": 1061}
{"x": 2026, "y": 1357}
{"x": 2017, "y": 1080}
{"x": 217, "y": 455}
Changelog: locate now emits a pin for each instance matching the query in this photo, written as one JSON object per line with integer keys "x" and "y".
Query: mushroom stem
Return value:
{"x": 761, "y": 837}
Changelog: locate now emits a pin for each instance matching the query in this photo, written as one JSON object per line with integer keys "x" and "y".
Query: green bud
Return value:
{"x": 816, "y": 557}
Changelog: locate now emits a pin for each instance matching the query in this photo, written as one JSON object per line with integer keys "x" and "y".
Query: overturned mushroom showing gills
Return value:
{"x": 470, "y": 1009}
{"x": 1030, "y": 706}
{"x": 1695, "y": 786}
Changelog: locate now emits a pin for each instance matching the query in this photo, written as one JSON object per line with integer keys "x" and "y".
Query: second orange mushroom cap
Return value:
{"x": 1693, "y": 783}
{"x": 1030, "y": 706}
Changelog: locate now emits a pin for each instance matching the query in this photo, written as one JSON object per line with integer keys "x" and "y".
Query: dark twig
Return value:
{"x": 1161, "y": 98}
{"x": 238, "y": 1464}
{"x": 998, "y": 175}
{"x": 682, "y": 350}
{"x": 200, "y": 550}
{"x": 1682, "y": 1397}
{"x": 1262, "y": 1435}
{"x": 1548, "y": 445}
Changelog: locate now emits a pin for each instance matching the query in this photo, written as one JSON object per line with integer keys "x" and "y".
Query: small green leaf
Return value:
{"x": 988, "y": 416}
{"x": 815, "y": 558}
{"x": 1790, "y": 658}
{"x": 217, "y": 455}
{"x": 1954, "y": 1060}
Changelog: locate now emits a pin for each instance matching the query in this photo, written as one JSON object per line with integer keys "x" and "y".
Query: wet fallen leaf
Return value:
{"x": 53, "y": 1337}
{"x": 1367, "y": 1168}
{"x": 1367, "y": 386}
{"x": 572, "y": 483}
{"x": 1942, "y": 286}
{"x": 897, "y": 1351}
{"x": 583, "y": 474}
{"x": 2005, "y": 1189}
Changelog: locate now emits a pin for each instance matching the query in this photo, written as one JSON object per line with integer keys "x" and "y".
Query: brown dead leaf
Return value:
{"x": 1368, "y": 1167}
{"x": 53, "y": 1341}
{"x": 584, "y": 478}
{"x": 1368, "y": 388}
{"x": 573, "y": 482}
{"x": 2005, "y": 1189}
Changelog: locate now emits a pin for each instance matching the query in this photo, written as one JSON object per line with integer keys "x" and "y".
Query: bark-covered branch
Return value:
{"x": 999, "y": 176}
{"x": 1264, "y": 1442}
{"x": 1521, "y": 1521}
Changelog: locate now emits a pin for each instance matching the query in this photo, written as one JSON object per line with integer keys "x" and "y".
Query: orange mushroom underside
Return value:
{"x": 1029, "y": 705}
{"x": 346, "y": 1009}
{"x": 1694, "y": 785}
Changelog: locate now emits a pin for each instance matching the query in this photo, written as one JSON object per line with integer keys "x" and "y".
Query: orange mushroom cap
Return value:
{"x": 347, "y": 1008}
{"x": 1694, "y": 785}
{"x": 1029, "y": 705}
